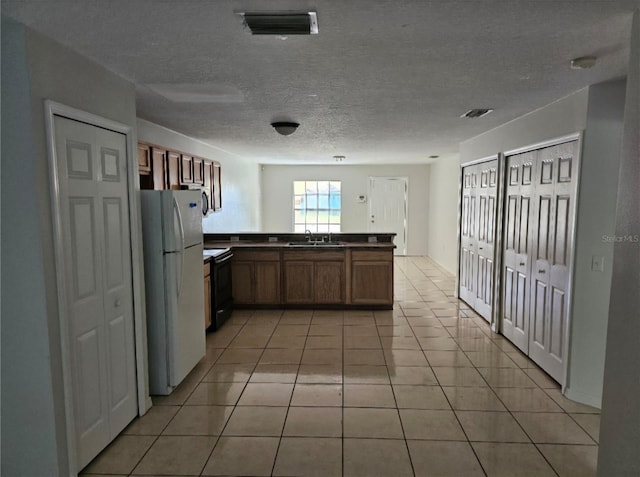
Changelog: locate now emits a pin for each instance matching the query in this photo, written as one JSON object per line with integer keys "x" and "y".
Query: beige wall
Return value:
{"x": 277, "y": 197}
{"x": 442, "y": 242}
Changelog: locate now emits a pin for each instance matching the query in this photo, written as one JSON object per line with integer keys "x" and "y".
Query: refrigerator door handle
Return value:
{"x": 176, "y": 211}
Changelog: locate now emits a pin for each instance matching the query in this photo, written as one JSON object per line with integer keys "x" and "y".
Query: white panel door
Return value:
{"x": 516, "y": 265}
{"x": 468, "y": 256}
{"x": 485, "y": 237}
{"x": 388, "y": 209}
{"x": 552, "y": 246}
{"x": 94, "y": 210}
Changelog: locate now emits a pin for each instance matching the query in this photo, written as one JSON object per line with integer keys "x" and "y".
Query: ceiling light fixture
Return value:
{"x": 476, "y": 113}
{"x": 583, "y": 62}
{"x": 285, "y": 128}
{"x": 339, "y": 158}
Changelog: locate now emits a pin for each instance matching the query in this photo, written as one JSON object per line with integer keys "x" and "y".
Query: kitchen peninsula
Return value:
{"x": 338, "y": 271}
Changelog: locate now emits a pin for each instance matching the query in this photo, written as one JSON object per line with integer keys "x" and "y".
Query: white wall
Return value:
{"x": 565, "y": 116}
{"x": 597, "y": 110}
{"x": 277, "y": 197}
{"x": 240, "y": 179}
{"x": 35, "y": 68}
{"x": 595, "y": 218}
{"x": 619, "y": 428}
{"x": 442, "y": 242}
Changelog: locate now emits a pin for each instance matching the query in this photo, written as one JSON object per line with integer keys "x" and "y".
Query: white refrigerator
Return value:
{"x": 172, "y": 238}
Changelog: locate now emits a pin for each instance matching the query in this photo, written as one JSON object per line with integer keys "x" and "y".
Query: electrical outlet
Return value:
{"x": 234, "y": 238}
{"x": 597, "y": 263}
{"x": 372, "y": 239}
{"x": 273, "y": 239}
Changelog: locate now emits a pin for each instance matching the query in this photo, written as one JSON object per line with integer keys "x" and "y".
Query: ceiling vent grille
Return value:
{"x": 476, "y": 113}
{"x": 282, "y": 24}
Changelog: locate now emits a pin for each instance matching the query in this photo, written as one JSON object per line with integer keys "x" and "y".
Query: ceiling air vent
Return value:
{"x": 476, "y": 113}
{"x": 283, "y": 24}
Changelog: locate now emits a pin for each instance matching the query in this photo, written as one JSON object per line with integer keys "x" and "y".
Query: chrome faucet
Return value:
{"x": 308, "y": 235}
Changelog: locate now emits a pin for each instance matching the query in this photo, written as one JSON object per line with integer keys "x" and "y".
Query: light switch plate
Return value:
{"x": 597, "y": 263}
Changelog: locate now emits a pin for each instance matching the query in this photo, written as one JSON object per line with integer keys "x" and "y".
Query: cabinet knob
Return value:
{"x": 522, "y": 264}
{"x": 542, "y": 271}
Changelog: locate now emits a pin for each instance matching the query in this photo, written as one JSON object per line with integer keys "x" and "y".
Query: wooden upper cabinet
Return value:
{"x": 198, "y": 171}
{"x": 144, "y": 159}
{"x": 186, "y": 169}
{"x": 207, "y": 167}
{"x": 217, "y": 187}
{"x": 173, "y": 170}
{"x": 159, "y": 168}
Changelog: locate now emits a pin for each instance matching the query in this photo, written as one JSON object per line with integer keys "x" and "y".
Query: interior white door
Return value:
{"x": 468, "y": 256}
{"x": 388, "y": 209}
{"x": 552, "y": 246}
{"x": 516, "y": 265}
{"x": 485, "y": 240}
{"x": 94, "y": 213}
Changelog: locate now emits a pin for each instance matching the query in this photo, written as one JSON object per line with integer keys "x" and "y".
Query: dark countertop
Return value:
{"x": 282, "y": 241}
{"x": 286, "y": 246}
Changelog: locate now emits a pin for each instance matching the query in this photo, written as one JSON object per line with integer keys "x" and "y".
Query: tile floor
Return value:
{"x": 424, "y": 390}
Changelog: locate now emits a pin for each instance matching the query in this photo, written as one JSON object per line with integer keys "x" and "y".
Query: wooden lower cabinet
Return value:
{"x": 255, "y": 277}
{"x": 329, "y": 278}
{"x": 298, "y": 282}
{"x": 313, "y": 277}
{"x": 372, "y": 277}
{"x": 207, "y": 295}
{"x": 267, "y": 283}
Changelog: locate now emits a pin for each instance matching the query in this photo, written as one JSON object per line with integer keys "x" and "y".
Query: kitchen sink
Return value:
{"x": 315, "y": 244}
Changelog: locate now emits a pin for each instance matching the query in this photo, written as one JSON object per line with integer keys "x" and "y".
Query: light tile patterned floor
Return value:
{"x": 424, "y": 390}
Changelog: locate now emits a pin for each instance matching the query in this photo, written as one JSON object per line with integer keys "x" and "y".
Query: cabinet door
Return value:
{"x": 217, "y": 186}
{"x": 198, "y": 170}
{"x": 267, "y": 282}
{"x": 144, "y": 159}
{"x": 186, "y": 169}
{"x": 207, "y": 167}
{"x": 329, "y": 282}
{"x": 173, "y": 170}
{"x": 207, "y": 296}
{"x": 298, "y": 282}
{"x": 158, "y": 166}
{"x": 372, "y": 282}
{"x": 242, "y": 282}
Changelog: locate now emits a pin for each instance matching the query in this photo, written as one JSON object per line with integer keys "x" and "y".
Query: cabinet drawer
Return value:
{"x": 256, "y": 255}
{"x": 313, "y": 255}
{"x": 375, "y": 255}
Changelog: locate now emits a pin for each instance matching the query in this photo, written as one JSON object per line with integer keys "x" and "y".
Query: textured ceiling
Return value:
{"x": 384, "y": 81}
